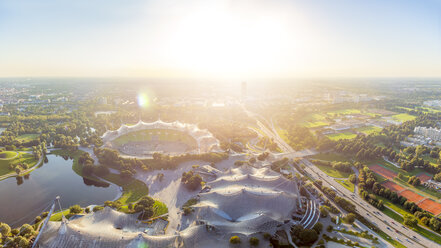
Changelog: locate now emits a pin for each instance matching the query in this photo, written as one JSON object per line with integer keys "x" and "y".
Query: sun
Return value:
{"x": 221, "y": 41}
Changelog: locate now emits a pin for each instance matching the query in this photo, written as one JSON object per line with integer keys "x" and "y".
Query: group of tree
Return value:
{"x": 191, "y": 180}
{"x": 305, "y": 237}
{"x": 340, "y": 166}
{"x": 415, "y": 181}
{"x": 145, "y": 208}
{"x": 368, "y": 183}
{"x": 19, "y": 237}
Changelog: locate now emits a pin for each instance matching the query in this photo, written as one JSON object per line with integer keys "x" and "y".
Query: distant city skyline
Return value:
{"x": 223, "y": 39}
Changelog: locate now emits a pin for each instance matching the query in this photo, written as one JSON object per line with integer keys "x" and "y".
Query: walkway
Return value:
{"x": 13, "y": 174}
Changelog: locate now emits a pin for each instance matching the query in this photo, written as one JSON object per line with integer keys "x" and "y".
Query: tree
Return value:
{"x": 254, "y": 241}
{"x": 410, "y": 220}
{"x": 353, "y": 179}
{"x": 350, "y": 218}
{"x": 235, "y": 240}
{"x": 75, "y": 209}
{"x": 101, "y": 170}
{"x": 308, "y": 236}
{"x": 97, "y": 208}
{"x": 323, "y": 212}
{"x": 329, "y": 228}
{"x": 22, "y": 242}
{"x": 318, "y": 227}
{"x": 26, "y": 229}
{"x": 145, "y": 206}
{"x": 5, "y": 229}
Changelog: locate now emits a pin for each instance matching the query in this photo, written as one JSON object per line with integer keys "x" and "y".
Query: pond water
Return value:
{"x": 21, "y": 200}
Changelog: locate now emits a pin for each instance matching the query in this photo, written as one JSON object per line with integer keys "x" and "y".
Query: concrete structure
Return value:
{"x": 206, "y": 142}
{"x": 432, "y": 133}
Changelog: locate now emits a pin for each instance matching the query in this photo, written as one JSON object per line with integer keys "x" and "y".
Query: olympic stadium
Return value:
{"x": 143, "y": 139}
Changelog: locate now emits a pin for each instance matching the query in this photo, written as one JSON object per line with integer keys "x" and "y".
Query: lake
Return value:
{"x": 22, "y": 200}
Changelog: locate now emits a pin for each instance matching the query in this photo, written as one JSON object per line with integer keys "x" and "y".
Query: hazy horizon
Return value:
{"x": 222, "y": 39}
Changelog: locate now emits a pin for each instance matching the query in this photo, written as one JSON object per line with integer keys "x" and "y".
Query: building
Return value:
{"x": 432, "y": 133}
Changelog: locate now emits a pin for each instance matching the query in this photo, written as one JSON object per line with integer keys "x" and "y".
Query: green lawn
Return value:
{"x": 23, "y": 158}
{"x": 57, "y": 216}
{"x": 331, "y": 157}
{"x": 332, "y": 172}
{"x": 369, "y": 129}
{"x": 403, "y": 117}
{"x": 432, "y": 161}
{"x": 28, "y": 137}
{"x": 315, "y": 124}
{"x": 345, "y": 183}
{"x": 162, "y": 134}
{"x": 132, "y": 190}
{"x": 6, "y": 155}
{"x": 339, "y": 136}
{"x": 160, "y": 208}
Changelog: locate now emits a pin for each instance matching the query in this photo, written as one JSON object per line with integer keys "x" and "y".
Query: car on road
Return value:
{"x": 388, "y": 228}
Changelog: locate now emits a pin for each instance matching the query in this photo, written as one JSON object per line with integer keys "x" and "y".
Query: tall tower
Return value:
{"x": 244, "y": 90}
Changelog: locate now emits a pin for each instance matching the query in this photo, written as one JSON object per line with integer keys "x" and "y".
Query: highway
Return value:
{"x": 394, "y": 229}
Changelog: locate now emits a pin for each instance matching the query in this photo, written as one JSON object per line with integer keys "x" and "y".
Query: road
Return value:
{"x": 395, "y": 230}
{"x": 288, "y": 151}
{"x": 382, "y": 221}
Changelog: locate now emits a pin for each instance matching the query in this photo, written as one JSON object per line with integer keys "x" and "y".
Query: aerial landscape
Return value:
{"x": 220, "y": 123}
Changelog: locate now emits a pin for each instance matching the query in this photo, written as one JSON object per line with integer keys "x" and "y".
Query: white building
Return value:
{"x": 432, "y": 133}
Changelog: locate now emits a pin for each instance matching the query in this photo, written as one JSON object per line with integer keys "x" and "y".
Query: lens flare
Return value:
{"x": 143, "y": 100}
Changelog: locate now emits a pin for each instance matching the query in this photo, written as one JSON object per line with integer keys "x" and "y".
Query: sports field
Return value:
{"x": 430, "y": 206}
{"x": 369, "y": 129}
{"x": 383, "y": 171}
{"x": 393, "y": 186}
{"x": 158, "y": 134}
{"x": 424, "y": 177}
{"x": 403, "y": 117}
{"x": 339, "y": 136}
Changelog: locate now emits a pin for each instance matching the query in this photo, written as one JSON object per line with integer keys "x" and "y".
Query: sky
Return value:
{"x": 227, "y": 39}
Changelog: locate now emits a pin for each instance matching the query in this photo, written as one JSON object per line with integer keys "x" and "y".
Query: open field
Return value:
{"x": 403, "y": 117}
{"x": 339, "y": 136}
{"x": 27, "y": 137}
{"x": 369, "y": 129}
{"x": 332, "y": 172}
